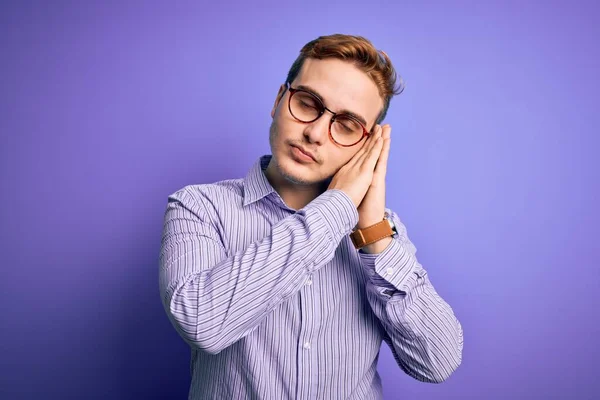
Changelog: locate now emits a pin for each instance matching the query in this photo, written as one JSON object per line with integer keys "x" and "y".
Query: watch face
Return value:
{"x": 392, "y": 225}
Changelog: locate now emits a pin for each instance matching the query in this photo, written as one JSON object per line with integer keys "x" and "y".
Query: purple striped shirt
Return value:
{"x": 276, "y": 303}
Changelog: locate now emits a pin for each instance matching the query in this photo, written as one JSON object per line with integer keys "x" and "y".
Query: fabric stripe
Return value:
{"x": 277, "y": 303}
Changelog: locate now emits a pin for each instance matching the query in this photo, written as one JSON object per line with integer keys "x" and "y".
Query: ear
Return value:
{"x": 280, "y": 95}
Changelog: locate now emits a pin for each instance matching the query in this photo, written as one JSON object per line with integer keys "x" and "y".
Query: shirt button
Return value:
{"x": 389, "y": 271}
{"x": 309, "y": 281}
{"x": 307, "y": 345}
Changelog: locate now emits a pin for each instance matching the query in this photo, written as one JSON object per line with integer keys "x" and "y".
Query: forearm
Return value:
{"x": 215, "y": 299}
{"x": 377, "y": 247}
{"x": 422, "y": 330}
{"x": 425, "y": 336}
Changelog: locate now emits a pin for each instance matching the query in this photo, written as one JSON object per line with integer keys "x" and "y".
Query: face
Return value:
{"x": 343, "y": 87}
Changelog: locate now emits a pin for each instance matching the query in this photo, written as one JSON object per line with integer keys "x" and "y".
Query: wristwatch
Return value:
{"x": 371, "y": 234}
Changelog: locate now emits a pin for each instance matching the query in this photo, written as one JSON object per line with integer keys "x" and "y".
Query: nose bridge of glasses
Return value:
{"x": 333, "y": 114}
{"x": 327, "y": 109}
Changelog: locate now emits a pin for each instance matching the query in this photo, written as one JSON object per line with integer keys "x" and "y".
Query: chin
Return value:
{"x": 291, "y": 172}
{"x": 296, "y": 173}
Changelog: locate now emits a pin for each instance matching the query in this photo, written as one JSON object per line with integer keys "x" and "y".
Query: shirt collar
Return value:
{"x": 256, "y": 185}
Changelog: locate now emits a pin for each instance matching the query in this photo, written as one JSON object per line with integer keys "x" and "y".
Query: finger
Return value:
{"x": 377, "y": 136}
{"x": 381, "y": 167}
{"x": 374, "y": 154}
{"x": 365, "y": 147}
{"x": 373, "y": 140}
{"x": 359, "y": 156}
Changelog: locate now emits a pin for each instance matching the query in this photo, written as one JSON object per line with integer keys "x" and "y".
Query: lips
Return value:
{"x": 306, "y": 152}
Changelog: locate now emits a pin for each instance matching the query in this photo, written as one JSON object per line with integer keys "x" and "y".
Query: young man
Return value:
{"x": 286, "y": 282}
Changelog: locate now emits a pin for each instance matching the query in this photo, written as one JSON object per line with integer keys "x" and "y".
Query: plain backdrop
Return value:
{"x": 108, "y": 107}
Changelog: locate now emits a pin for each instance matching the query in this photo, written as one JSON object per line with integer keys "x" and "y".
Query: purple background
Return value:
{"x": 107, "y": 109}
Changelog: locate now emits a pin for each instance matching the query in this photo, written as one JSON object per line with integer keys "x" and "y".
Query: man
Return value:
{"x": 286, "y": 282}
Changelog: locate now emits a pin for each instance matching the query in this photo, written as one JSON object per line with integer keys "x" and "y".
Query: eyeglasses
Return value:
{"x": 344, "y": 129}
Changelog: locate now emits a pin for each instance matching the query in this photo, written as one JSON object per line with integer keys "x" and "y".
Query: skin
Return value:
{"x": 343, "y": 87}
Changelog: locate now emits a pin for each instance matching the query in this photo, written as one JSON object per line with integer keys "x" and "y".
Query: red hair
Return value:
{"x": 360, "y": 52}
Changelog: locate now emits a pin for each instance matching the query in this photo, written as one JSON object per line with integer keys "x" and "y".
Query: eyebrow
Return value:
{"x": 348, "y": 112}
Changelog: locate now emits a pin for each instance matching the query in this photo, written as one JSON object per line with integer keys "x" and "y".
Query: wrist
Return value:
{"x": 377, "y": 247}
{"x": 365, "y": 223}
{"x": 377, "y": 236}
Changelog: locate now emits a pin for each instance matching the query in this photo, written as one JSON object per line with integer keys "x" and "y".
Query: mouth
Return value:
{"x": 302, "y": 155}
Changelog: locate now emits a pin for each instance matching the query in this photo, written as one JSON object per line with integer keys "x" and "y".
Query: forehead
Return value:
{"x": 343, "y": 87}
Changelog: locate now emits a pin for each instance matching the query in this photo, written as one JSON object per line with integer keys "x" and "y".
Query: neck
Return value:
{"x": 295, "y": 196}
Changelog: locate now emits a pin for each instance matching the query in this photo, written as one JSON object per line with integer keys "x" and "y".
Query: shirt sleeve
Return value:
{"x": 421, "y": 329}
{"x": 213, "y": 299}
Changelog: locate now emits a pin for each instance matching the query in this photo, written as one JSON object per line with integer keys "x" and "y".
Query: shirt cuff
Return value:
{"x": 390, "y": 269}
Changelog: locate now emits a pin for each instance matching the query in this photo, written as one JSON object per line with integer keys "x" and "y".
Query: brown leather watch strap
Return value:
{"x": 371, "y": 234}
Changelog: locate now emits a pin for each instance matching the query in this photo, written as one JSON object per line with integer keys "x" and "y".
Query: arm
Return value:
{"x": 213, "y": 299}
{"x": 425, "y": 337}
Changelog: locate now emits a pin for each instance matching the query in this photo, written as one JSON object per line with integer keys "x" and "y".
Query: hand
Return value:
{"x": 372, "y": 207}
{"x": 356, "y": 176}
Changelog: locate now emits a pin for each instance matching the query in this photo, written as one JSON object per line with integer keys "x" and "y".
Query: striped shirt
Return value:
{"x": 276, "y": 303}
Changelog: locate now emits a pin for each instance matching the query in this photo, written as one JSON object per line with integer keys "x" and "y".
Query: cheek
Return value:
{"x": 277, "y": 136}
{"x": 274, "y": 132}
{"x": 340, "y": 157}
{"x": 282, "y": 130}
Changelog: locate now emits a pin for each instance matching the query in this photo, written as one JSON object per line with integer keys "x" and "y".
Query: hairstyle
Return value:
{"x": 360, "y": 52}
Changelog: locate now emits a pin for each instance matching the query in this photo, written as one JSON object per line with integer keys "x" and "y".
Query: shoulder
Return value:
{"x": 208, "y": 191}
{"x": 209, "y": 197}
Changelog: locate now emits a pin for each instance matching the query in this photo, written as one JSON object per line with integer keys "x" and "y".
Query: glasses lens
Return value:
{"x": 305, "y": 106}
{"x": 346, "y": 130}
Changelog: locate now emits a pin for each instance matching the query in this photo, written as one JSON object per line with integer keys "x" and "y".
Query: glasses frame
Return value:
{"x": 321, "y": 112}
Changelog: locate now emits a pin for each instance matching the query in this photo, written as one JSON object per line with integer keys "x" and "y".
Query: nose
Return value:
{"x": 318, "y": 131}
